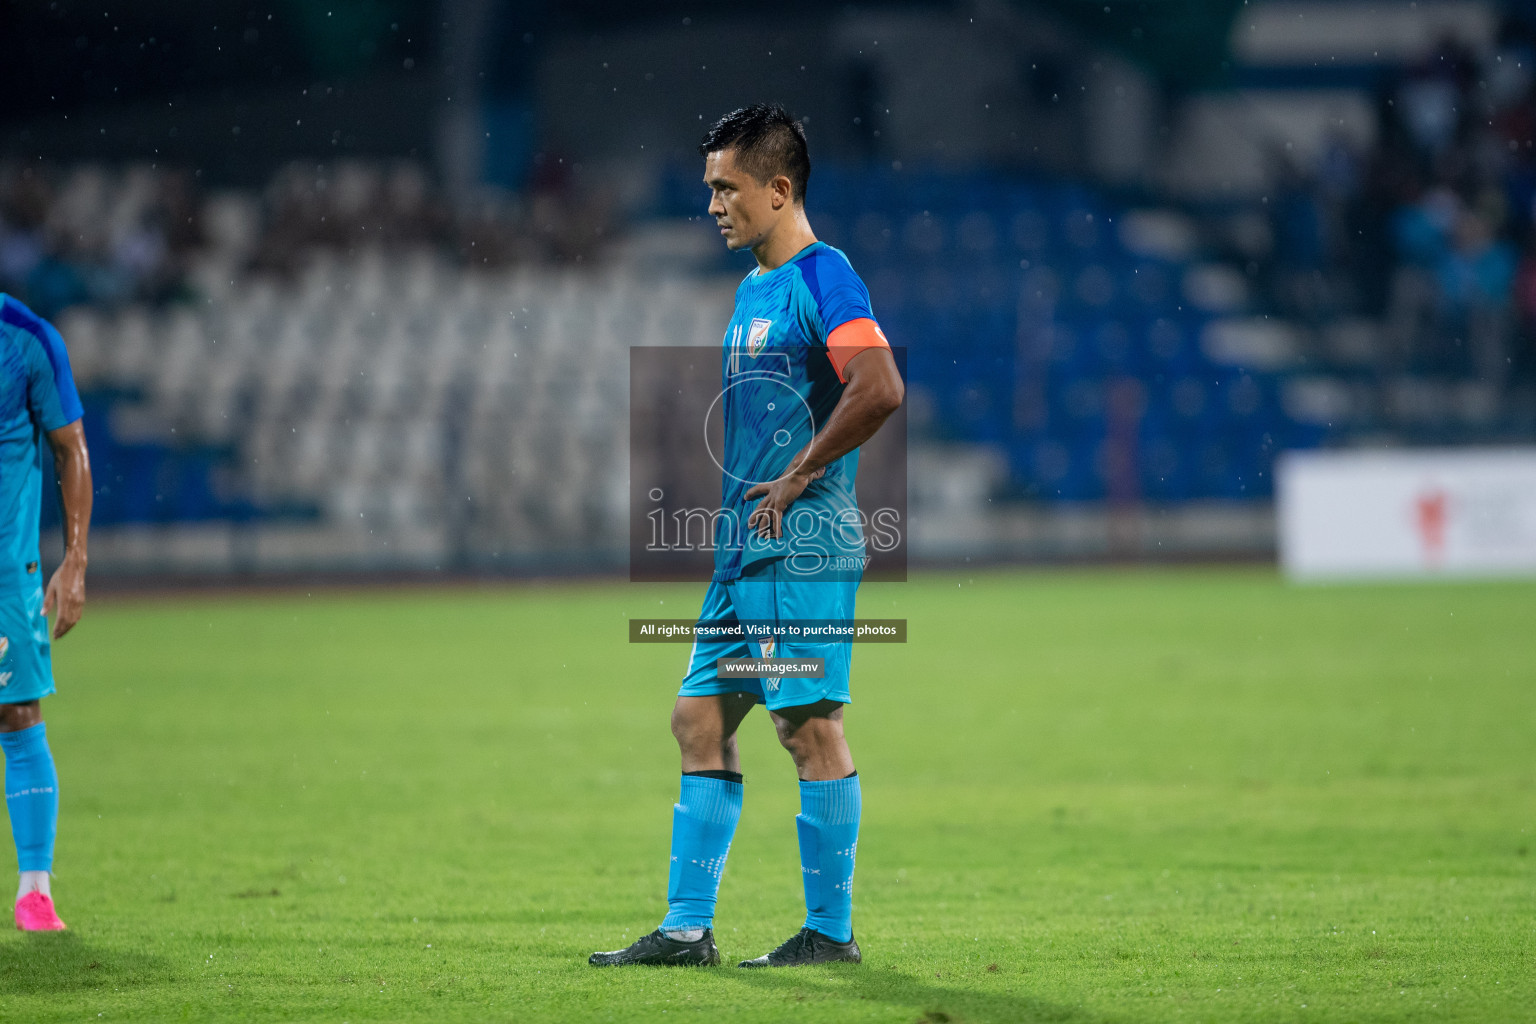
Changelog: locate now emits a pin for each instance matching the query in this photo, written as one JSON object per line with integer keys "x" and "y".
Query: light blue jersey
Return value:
{"x": 779, "y": 384}
{"x": 780, "y": 381}
{"x": 37, "y": 395}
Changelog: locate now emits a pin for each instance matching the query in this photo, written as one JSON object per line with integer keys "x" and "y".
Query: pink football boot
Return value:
{"x": 35, "y": 913}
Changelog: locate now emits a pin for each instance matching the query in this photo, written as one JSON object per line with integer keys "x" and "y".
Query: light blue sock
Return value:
{"x": 703, "y": 824}
{"x": 828, "y": 824}
{"x": 31, "y": 796}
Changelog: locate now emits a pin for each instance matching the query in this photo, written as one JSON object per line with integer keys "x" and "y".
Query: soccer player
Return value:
{"x": 807, "y": 378}
{"x": 37, "y": 400}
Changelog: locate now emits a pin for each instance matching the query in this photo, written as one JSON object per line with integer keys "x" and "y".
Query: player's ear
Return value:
{"x": 783, "y": 190}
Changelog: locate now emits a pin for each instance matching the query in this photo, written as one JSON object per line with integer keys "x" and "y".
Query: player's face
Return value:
{"x": 744, "y": 208}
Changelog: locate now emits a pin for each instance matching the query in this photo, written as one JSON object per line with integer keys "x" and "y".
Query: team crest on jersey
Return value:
{"x": 5, "y": 646}
{"x": 757, "y": 336}
{"x": 768, "y": 645}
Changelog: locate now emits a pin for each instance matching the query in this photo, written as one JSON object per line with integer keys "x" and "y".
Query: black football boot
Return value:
{"x": 808, "y": 946}
{"x": 657, "y": 949}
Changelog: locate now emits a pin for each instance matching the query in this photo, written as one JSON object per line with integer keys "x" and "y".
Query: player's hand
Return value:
{"x": 64, "y": 601}
{"x": 768, "y": 517}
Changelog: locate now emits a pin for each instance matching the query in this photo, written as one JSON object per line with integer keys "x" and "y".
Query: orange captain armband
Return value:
{"x": 852, "y": 338}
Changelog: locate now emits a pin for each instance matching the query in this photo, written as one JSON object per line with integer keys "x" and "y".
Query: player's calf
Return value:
{"x": 32, "y": 799}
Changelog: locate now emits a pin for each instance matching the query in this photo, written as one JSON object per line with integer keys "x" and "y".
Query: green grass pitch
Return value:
{"x": 1089, "y": 796}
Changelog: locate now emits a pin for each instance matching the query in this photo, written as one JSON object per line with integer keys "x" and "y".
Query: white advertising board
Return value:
{"x": 1423, "y": 512}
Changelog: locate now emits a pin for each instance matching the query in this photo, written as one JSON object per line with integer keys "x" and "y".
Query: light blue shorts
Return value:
{"x": 774, "y": 595}
{"x": 26, "y": 655}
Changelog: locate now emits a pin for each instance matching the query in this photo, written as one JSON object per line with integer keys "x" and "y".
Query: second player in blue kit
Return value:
{"x": 807, "y": 377}
{"x": 38, "y": 403}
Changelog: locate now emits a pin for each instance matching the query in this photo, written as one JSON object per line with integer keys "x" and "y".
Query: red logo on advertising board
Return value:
{"x": 1431, "y": 510}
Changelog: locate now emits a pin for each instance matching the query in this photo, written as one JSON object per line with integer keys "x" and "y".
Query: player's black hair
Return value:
{"x": 767, "y": 141}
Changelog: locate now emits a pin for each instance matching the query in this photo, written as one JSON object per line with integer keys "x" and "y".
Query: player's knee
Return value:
{"x": 800, "y": 750}
{"x": 15, "y": 717}
{"x": 692, "y": 734}
{"x": 682, "y": 729}
{"x": 810, "y": 737}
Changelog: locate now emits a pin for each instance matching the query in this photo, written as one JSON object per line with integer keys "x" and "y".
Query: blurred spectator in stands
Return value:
{"x": 91, "y": 235}
{"x": 1476, "y": 278}
{"x": 1300, "y": 246}
{"x": 1431, "y": 99}
{"x": 1422, "y": 236}
{"x": 570, "y": 215}
{"x": 24, "y": 201}
{"x": 1523, "y": 352}
{"x": 1454, "y": 156}
{"x": 355, "y": 205}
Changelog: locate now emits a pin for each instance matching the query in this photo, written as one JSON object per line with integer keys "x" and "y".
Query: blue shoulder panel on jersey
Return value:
{"x": 13, "y": 312}
{"x": 839, "y": 294}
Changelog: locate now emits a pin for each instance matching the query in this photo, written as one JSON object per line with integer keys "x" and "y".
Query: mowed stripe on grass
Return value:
{"x": 1089, "y": 796}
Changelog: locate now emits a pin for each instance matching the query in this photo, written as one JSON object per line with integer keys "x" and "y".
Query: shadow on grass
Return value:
{"x": 41, "y": 963}
{"x": 929, "y": 1002}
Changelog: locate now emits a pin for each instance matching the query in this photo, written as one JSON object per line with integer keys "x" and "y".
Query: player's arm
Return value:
{"x": 65, "y": 599}
{"x": 874, "y": 391}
